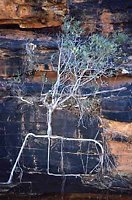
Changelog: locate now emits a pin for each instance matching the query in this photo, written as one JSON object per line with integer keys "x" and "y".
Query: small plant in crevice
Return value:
{"x": 120, "y": 38}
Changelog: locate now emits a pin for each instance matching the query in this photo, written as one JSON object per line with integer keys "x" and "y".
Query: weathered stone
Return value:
{"x": 95, "y": 15}
{"x": 18, "y": 119}
{"x": 105, "y": 16}
{"x": 119, "y": 139}
{"x": 33, "y": 14}
{"x": 122, "y": 152}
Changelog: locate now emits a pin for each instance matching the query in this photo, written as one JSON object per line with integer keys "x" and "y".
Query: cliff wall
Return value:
{"x": 23, "y": 21}
{"x": 96, "y": 15}
{"x": 102, "y": 15}
{"x": 32, "y": 14}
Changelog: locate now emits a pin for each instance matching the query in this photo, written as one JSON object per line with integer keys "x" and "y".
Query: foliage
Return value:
{"x": 120, "y": 38}
{"x": 100, "y": 51}
{"x": 80, "y": 62}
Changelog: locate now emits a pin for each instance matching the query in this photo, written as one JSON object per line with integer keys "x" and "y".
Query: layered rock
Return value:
{"x": 102, "y": 15}
{"x": 18, "y": 119}
{"x": 33, "y": 14}
{"x": 95, "y": 15}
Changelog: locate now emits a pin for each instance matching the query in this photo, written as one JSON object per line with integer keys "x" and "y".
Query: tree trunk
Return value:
{"x": 49, "y": 121}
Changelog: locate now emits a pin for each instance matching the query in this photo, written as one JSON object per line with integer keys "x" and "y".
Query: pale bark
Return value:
{"x": 49, "y": 121}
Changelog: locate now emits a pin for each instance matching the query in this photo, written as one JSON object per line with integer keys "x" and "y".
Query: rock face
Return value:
{"x": 102, "y": 15}
{"x": 33, "y": 14}
{"x": 95, "y": 15}
{"x": 18, "y": 119}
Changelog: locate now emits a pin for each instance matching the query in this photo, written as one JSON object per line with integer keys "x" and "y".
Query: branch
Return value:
{"x": 20, "y": 98}
{"x": 104, "y": 91}
{"x": 67, "y": 96}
